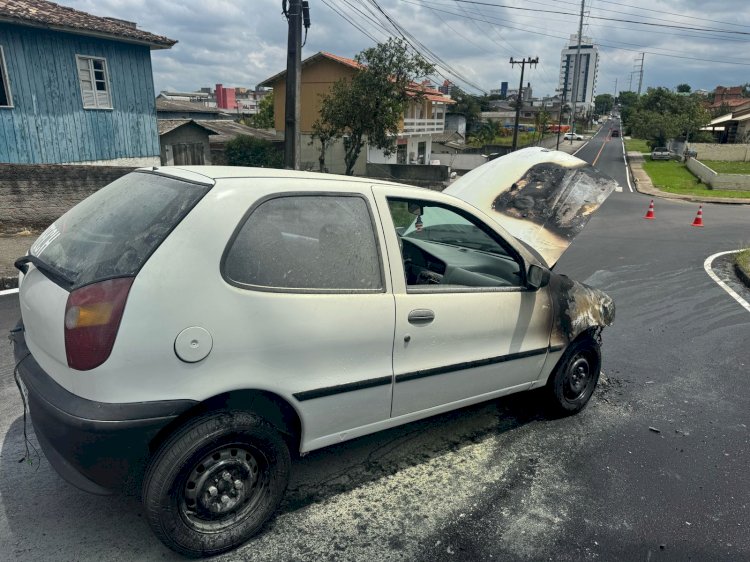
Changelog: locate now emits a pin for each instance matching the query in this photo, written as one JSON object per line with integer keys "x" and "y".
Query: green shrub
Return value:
{"x": 244, "y": 150}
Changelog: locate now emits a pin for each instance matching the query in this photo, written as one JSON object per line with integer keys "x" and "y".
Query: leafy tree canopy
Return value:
{"x": 604, "y": 103}
{"x": 369, "y": 106}
{"x": 264, "y": 118}
{"x": 660, "y": 115}
{"x": 684, "y": 88}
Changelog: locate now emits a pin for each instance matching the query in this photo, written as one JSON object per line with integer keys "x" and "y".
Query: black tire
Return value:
{"x": 571, "y": 385}
{"x": 192, "y": 505}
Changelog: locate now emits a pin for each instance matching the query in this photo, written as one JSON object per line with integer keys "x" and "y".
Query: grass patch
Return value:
{"x": 674, "y": 177}
{"x": 637, "y": 145}
{"x": 728, "y": 167}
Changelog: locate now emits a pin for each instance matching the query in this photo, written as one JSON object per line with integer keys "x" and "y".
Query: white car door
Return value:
{"x": 466, "y": 327}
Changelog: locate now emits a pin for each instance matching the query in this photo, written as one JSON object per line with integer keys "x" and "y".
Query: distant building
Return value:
{"x": 422, "y": 119}
{"x": 173, "y": 109}
{"x": 588, "y": 69}
{"x": 75, "y": 88}
{"x": 446, "y": 87}
{"x": 728, "y": 97}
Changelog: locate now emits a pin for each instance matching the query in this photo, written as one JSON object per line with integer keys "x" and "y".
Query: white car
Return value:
{"x": 572, "y": 136}
{"x": 184, "y": 329}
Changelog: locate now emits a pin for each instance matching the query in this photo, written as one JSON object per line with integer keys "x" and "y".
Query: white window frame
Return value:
{"x": 107, "y": 83}
{"x": 5, "y": 80}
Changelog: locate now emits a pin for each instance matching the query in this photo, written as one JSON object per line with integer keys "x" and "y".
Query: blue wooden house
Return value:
{"x": 75, "y": 88}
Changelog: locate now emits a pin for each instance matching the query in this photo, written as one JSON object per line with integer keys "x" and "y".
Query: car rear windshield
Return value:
{"x": 114, "y": 231}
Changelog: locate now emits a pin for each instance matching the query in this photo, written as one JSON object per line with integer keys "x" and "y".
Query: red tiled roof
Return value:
{"x": 40, "y": 13}
{"x": 342, "y": 60}
{"x": 731, "y": 102}
{"x": 430, "y": 93}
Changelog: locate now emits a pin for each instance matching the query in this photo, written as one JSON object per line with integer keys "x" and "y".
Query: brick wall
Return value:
{"x": 34, "y": 196}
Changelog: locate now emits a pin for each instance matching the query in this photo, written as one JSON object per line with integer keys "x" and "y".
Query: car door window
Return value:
{"x": 446, "y": 248}
{"x": 318, "y": 243}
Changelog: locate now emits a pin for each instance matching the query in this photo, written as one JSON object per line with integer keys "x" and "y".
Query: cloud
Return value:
{"x": 241, "y": 43}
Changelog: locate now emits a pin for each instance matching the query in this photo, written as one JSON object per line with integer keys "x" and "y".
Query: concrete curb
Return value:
{"x": 643, "y": 185}
{"x": 744, "y": 277}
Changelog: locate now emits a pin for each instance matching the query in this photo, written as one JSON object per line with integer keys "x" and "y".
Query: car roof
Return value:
{"x": 203, "y": 173}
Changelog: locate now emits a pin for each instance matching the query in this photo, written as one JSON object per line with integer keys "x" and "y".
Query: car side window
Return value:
{"x": 445, "y": 247}
{"x": 317, "y": 243}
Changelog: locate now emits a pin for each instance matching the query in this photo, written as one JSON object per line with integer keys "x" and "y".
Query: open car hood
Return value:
{"x": 542, "y": 197}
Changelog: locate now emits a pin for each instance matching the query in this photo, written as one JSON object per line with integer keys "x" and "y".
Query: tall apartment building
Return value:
{"x": 588, "y": 69}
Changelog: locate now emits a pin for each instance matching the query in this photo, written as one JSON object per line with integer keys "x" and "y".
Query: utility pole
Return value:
{"x": 293, "y": 13}
{"x": 615, "y": 89}
{"x": 519, "y": 102}
{"x": 640, "y": 78}
{"x": 577, "y": 71}
{"x": 559, "y": 116}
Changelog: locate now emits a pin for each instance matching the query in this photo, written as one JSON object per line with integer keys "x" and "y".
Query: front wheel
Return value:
{"x": 574, "y": 380}
{"x": 215, "y": 482}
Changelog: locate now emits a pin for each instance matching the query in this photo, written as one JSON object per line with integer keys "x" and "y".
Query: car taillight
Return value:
{"x": 92, "y": 318}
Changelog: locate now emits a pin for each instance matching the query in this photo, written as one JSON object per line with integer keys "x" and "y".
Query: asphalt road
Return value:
{"x": 499, "y": 480}
{"x": 607, "y": 153}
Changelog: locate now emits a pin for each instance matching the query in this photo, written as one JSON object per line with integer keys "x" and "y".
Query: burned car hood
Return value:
{"x": 542, "y": 197}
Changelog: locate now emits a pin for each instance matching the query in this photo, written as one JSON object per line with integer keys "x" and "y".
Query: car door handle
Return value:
{"x": 421, "y": 316}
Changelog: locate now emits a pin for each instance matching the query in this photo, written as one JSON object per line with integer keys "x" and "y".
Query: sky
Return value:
{"x": 243, "y": 42}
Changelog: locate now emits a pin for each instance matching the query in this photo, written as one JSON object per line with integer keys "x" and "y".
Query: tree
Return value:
{"x": 683, "y": 88}
{"x": 369, "y": 106}
{"x": 245, "y": 150}
{"x": 466, "y": 105}
{"x": 541, "y": 119}
{"x": 264, "y": 118}
{"x": 604, "y": 103}
{"x": 660, "y": 115}
{"x": 326, "y": 135}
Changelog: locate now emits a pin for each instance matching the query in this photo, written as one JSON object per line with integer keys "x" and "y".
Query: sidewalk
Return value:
{"x": 565, "y": 146}
{"x": 643, "y": 184}
{"x": 12, "y": 247}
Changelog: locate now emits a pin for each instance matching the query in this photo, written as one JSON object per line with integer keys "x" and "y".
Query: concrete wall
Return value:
{"x": 34, "y": 196}
{"x": 723, "y": 152}
{"x": 413, "y": 174}
{"x": 334, "y": 157}
{"x": 460, "y": 162}
{"x": 736, "y": 182}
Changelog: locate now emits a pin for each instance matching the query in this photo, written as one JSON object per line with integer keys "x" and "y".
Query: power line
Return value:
{"x": 641, "y": 49}
{"x": 714, "y": 30}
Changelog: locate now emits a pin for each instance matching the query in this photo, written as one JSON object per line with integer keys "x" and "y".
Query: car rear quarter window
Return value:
{"x": 114, "y": 231}
{"x": 309, "y": 243}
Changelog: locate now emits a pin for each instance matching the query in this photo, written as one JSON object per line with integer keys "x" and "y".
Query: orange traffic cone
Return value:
{"x": 699, "y": 217}
{"x": 650, "y": 213}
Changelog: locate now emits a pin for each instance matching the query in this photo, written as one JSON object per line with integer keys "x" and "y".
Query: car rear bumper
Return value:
{"x": 96, "y": 446}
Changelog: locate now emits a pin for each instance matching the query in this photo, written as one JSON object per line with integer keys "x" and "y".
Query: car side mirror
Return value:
{"x": 537, "y": 276}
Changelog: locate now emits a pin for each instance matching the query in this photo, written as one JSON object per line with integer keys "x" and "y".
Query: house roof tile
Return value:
{"x": 41, "y": 13}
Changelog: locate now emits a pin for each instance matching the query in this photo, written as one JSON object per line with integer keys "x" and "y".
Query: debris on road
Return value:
{"x": 654, "y": 429}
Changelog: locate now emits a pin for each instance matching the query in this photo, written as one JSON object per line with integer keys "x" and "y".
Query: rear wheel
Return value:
{"x": 571, "y": 385}
{"x": 215, "y": 482}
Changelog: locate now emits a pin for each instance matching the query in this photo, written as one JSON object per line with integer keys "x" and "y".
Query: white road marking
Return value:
{"x": 8, "y": 292}
{"x": 580, "y": 148}
{"x": 625, "y": 159}
{"x": 707, "y": 266}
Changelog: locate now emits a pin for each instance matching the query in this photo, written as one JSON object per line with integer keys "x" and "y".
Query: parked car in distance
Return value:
{"x": 185, "y": 329}
{"x": 615, "y": 133}
{"x": 661, "y": 153}
{"x": 572, "y": 136}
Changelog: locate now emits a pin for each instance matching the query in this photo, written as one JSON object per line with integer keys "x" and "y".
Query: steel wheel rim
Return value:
{"x": 577, "y": 378}
{"x": 223, "y": 487}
